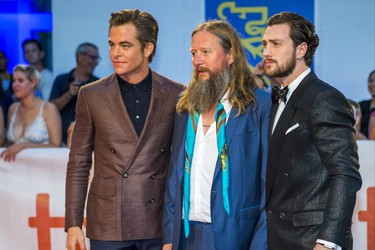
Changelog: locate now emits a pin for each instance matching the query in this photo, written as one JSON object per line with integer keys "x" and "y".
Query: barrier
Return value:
{"x": 32, "y": 191}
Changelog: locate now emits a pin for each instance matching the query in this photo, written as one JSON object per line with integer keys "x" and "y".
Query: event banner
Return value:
{"x": 32, "y": 200}
{"x": 250, "y": 18}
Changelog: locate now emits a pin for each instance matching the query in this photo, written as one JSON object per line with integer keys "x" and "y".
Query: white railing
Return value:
{"x": 32, "y": 191}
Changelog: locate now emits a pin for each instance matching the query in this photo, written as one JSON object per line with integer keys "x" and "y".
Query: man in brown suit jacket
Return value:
{"x": 127, "y": 120}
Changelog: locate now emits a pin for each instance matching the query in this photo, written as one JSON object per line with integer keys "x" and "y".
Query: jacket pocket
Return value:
{"x": 101, "y": 206}
{"x": 308, "y": 218}
{"x": 249, "y": 212}
{"x": 106, "y": 187}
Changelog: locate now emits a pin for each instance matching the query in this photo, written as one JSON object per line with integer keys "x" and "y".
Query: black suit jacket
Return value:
{"x": 312, "y": 171}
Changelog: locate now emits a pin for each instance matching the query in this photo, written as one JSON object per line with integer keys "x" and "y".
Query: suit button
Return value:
{"x": 112, "y": 151}
{"x": 286, "y": 174}
{"x": 282, "y": 215}
{"x": 162, "y": 150}
{"x": 125, "y": 175}
{"x": 152, "y": 201}
{"x": 153, "y": 176}
{"x": 269, "y": 211}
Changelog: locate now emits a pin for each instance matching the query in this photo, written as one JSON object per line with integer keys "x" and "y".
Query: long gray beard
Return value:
{"x": 203, "y": 94}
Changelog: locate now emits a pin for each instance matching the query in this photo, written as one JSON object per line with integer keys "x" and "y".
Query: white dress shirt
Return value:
{"x": 292, "y": 86}
{"x": 205, "y": 157}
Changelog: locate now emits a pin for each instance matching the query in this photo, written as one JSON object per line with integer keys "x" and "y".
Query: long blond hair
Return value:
{"x": 242, "y": 83}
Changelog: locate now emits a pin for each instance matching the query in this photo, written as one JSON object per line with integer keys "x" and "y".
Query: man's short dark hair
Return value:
{"x": 145, "y": 24}
{"x": 27, "y": 41}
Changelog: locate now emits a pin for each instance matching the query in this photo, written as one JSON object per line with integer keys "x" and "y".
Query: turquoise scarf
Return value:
{"x": 192, "y": 124}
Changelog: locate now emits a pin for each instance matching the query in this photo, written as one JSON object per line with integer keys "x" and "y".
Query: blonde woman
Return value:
{"x": 32, "y": 122}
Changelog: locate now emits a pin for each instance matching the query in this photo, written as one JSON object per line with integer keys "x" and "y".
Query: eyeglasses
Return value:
{"x": 93, "y": 58}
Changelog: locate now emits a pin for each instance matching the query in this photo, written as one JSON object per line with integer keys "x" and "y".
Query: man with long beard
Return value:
{"x": 312, "y": 171}
{"x": 214, "y": 197}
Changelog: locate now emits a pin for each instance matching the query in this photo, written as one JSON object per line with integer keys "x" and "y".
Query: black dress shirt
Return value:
{"x": 137, "y": 98}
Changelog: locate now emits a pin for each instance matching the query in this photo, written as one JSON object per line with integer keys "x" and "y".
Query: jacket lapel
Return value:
{"x": 112, "y": 96}
{"x": 159, "y": 97}
{"x": 272, "y": 119}
{"x": 276, "y": 140}
{"x": 180, "y": 135}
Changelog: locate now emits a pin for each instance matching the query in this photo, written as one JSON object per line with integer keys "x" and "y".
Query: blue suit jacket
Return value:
{"x": 245, "y": 227}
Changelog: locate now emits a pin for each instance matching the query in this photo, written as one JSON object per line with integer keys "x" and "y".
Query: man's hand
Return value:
{"x": 74, "y": 88}
{"x": 167, "y": 247}
{"x": 75, "y": 237}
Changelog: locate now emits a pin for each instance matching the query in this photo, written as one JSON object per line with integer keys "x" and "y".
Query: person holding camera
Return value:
{"x": 66, "y": 86}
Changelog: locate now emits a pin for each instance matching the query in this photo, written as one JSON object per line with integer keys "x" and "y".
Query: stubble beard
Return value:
{"x": 283, "y": 70}
{"x": 204, "y": 94}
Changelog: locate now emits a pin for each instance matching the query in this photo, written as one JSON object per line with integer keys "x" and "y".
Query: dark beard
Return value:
{"x": 283, "y": 70}
{"x": 204, "y": 94}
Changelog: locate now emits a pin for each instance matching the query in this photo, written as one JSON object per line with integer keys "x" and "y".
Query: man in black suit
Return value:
{"x": 312, "y": 171}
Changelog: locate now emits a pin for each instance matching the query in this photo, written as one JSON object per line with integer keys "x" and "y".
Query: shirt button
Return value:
{"x": 137, "y": 116}
{"x": 153, "y": 176}
{"x": 152, "y": 201}
{"x": 125, "y": 175}
{"x": 112, "y": 151}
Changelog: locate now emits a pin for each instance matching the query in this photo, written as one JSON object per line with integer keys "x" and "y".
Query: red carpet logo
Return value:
{"x": 369, "y": 217}
{"x": 43, "y": 222}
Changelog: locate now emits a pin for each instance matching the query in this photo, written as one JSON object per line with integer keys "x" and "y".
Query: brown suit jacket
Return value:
{"x": 125, "y": 198}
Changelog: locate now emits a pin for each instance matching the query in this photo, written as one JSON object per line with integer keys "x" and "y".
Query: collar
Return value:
{"x": 144, "y": 85}
{"x": 293, "y": 85}
{"x": 227, "y": 105}
{"x": 71, "y": 77}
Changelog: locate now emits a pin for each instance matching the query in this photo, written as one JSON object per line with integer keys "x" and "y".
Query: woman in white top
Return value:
{"x": 32, "y": 122}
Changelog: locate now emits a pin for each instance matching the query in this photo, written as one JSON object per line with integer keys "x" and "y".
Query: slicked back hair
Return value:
{"x": 145, "y": 24}
{"x": 301, "y": 30}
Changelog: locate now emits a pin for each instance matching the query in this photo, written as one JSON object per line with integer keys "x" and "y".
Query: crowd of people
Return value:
{"x": 37, "y": 110}
{"x": 219, "y": 164}
{"x": 63, "y": 90}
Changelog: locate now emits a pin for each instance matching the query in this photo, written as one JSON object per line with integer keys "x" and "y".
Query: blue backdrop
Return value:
{"x": 250, "y": 18}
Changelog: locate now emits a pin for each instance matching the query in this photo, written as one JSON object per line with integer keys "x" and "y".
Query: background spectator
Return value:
{"x": 66, "y": 86}
{"x": 6, "y": 98}
{"x": 358, "y": 117}
{"x": 32, "y": 122}
{"x": 5, "y": 75}
{"x": 368, "y": 106}
{"x": 371, "y": 126}
{"x": 34, "y": 55}
{"x": 70, "y": 134}
{"x": 1, "y": 127}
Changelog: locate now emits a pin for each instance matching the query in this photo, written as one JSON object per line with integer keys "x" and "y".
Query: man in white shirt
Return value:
{"x": 312, "y": 170}
{"x": 214, "y": 197}
{"x": 34, "y": 55}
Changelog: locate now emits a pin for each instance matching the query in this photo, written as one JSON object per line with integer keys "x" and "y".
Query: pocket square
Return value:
{"x": 292, "y": 128}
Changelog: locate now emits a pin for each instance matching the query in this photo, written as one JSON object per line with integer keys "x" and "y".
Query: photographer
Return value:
{"x": 66, "y": 86}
